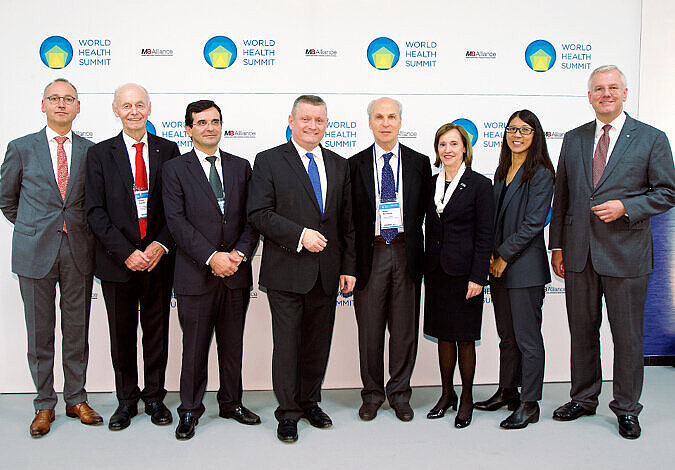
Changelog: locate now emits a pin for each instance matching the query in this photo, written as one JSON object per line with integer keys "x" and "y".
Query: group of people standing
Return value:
{"x": 146, "y": 220}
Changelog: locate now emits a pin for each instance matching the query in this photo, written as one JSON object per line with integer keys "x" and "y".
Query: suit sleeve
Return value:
{"x": 163, "y": 235}
{"x": 186, "y": 236}
{"x": 261, "y": 207}
{"x": 11, "y": 173}
{"x": 484, "y": 232}
{"x": 539, "y": 194}
{"x": 104, "y": 230}
{"x": 660, "y": 195}
{"x": 560, "y": 201}
{"x": 348, "y": 262}
{"x": 249, "y": 236}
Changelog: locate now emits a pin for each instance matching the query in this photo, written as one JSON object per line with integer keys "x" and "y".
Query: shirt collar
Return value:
{"x": 617, "y": 123}
{"x": 316, "y": 151}
{"x": 51, "y": 133}
{"x": 202, "y": 156}
{"x": 379, "y": 151}
{"x": 130, "y": 141}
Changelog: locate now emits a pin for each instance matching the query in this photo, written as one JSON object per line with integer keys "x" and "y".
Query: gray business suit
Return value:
{"x": 614, "y": 258}
{"x": 42, "y": 255}
{"x": 518, "y": 294}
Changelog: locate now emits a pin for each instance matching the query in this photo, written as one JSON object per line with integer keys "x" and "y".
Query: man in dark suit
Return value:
{"x": 614, "y": 173}
{"x": 389, "y": 258}
{"x": 205, "y": 202}
{"x": 300, "y": 200}
{"x": 42, "y": 194}
{"x": 134, "y": 252}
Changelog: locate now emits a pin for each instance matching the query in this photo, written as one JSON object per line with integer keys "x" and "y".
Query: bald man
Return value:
{"x": 134, "y": 252}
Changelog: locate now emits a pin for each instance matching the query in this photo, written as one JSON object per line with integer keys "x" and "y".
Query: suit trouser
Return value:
{"x": 521, "y": 346}
{"x": 152, "y": 290}
{"x": 625, "y": 301}
{"x": 390, "y": 299}
{"x": 222, "y": 310}
{"x": 302, "y": 329}
{"x": 39, "y": 305}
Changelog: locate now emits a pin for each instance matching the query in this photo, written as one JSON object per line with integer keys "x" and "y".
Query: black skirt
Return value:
{"x": 448, "y": 315}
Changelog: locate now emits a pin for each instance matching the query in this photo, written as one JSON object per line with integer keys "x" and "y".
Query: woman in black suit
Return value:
{"x": 458, "y": 245}
{"x": 519, "y": 267}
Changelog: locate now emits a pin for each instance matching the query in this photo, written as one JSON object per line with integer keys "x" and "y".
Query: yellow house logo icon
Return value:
{"x": 220, "y": 57}
{"x": 56, "y": 52}
{"x": 540, "y": 61}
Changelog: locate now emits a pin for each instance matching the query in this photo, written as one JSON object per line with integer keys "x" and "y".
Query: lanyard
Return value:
{"x": 398, "y": 170}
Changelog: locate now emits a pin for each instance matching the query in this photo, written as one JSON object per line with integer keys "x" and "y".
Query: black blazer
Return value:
{"x": 281, "y": 203}
{"x": 199, "y": 228}
{"x": 111, "y": 207}
{"x": 416, "y": 174}
{"x": 519, "y": 228}
{"x": 460, "y": 239}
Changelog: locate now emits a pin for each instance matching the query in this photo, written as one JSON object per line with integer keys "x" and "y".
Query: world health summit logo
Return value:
{"x": 540, "y": 55}
{"x": 220, "y": 52}
{"x": 383, "y": 53}
{"x": 469, "y": 127}
{"x": 56, "y": 52}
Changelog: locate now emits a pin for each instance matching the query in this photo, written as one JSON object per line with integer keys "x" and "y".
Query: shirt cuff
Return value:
{"x": 166, "y": 250}
{"x": 208, "y": 261}
{"x": 302, "y": 234}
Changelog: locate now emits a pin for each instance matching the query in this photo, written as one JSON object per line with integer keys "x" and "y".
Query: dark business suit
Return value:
{"x": 207, "y": 302}
{"x": 518, "y": 294}
{"x": 301, "y": 286}
{"x": 112, "y": 216}
{"x": 611, "y": 259}
{"x": 43, "y": 255}
{"x": 387, "y": 297}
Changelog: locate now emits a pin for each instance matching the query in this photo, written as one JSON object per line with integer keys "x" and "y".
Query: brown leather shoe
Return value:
{"x": 85, "y": 413}
{"x": 40, "y": 425}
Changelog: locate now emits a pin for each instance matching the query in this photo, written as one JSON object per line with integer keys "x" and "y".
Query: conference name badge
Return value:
{"x": 221, "y": 204}
{"x": 141, "y": 203}
{"x": 390, "y": 215}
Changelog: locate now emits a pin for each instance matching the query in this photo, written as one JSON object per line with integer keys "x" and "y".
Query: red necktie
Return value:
{"x": 600, "y": 155}
{"x": 61, "y": 168}
{"x": 141, "y": 182}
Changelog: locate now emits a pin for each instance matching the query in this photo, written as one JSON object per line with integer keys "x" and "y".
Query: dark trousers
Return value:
{"x": 39, "y": 297}
{"x": 391, "y": 299}
{"x": 625, "y": 301}
{"x": 521, "y": 346}
{"x": 221, "y": 310}
{"x": 152, "y": 292}
{"x": 302, "y": 329}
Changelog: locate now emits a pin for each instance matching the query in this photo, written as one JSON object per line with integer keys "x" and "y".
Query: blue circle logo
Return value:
{"x": 150, "y": 128}
{"x": 289, "y": 133}
{"x": 383, "y": 53}
{"x": 540, "y": 55}
{"x": 469, "y": 127}
{"x": 56, "y": 52}
{"x": 220, "y": 52}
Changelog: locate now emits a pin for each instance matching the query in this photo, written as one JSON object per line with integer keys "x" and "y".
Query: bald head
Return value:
{"x": 384, "y": 119}
{"x": 132, "y": 105}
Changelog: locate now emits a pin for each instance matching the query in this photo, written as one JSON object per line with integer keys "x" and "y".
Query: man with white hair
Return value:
{"x": 134, "y": 252}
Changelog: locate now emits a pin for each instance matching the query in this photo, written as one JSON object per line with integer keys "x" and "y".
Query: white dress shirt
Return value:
{"x": 393, "y": 162}
{"x": 53, "y": 145}
{"x": 206, "y": 165}
{"x": 318, "y": 158}
{"x": 617, "y": 125}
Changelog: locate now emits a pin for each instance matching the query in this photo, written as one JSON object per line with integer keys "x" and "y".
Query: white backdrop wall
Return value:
{"x": 456, "y": 61}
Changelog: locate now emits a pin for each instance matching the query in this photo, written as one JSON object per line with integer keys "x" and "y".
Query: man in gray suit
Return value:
{"x": 614, "y": 173}
{"x": 42, "y": 194}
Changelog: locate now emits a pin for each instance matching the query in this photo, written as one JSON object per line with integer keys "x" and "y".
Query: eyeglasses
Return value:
{"x": 55, "y": 99}
{"x": 522, "y": 130}
{"x": 204, "y": 123}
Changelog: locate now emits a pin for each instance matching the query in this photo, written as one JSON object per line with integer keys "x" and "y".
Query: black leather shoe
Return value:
{"x": 287, "y": 431}
{"x": 159, "y": 413}
{"x": 186, "y": 426}
{"x": 442, "y": 406}
{"x": 463, "y": 419}
{"x": 121, "y": 418}
{"x": 403, "y": 411}
{"x": 241, "y": 414}
{"x": 629, "y": 426}
{"x": 571, "y": 411}
{"x": 368, "y": 411}
{"x": 317, "y": 417}
{"x": 526, "y": 413}
{"x": 503, "y": 397}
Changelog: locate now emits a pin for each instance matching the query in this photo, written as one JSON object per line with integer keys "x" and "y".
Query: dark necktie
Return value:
{"x": 214, "y": 179}
{"x": 600, "y": 155}
{"x": 141, "y": 183}
{"x": 313, "y": 172}
{"x": 388, "y": 194}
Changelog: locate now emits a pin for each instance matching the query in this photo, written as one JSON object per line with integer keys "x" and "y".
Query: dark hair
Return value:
{"x": 537, "y": 154}
{"x": 466, "y": 139}
{"x": 308, "y": 99}
{"x": 198, "y": 107}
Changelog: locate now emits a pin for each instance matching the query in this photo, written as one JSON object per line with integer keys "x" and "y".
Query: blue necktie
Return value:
{"x": 388, "y": 194}
{"x": 313, "y": 172}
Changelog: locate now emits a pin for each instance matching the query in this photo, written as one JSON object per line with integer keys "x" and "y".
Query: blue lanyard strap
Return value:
{"x": 398, "y": 170}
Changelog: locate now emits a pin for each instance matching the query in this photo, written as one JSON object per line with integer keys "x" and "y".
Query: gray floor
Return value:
{"x": 590, "y": 442}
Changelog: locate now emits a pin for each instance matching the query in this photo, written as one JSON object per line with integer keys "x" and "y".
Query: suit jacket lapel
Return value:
{"x": 194, "y": 168}
{"x": 461, "y": 186}
{"x": 121, "y": 157}
{"x": 153, "y": 164}
{"x": 368, "y": 175}
{"x": 228, "y": 179}
{"x": 409, "y": 176}
{"x": 587, "y": 150}
{"x": 619, "y": 151}
{"x": 293, "y": 159}
{"x": 41, "y": 147}
{"x": 76, "y": 159}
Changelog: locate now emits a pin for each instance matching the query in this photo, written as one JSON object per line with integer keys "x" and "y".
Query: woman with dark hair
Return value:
{"x": 523, "y": 188}
{"x": 458, "y": 243}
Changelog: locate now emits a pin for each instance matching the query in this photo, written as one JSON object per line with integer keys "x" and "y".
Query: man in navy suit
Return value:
{"x": 614, "y": 173}
{"x": 134, "y": 252}
{"x": 205, "y": 202}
